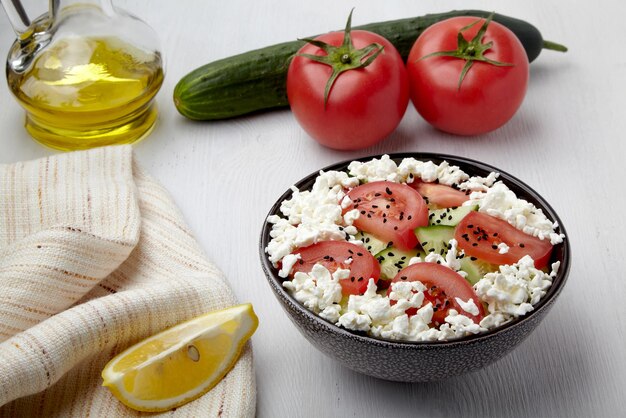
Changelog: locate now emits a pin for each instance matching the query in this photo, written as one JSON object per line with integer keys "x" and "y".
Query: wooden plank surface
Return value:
{"x": 568, "y": 141}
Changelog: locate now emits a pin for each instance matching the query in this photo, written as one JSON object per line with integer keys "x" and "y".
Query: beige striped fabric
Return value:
{"x": 94, "y": 256}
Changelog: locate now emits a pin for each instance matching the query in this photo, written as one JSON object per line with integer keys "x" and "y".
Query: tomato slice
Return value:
{"x": 479, "y": 234}
{"x": 334, "y": 255}
{"x": 390, "y": 211}
{"x": 440, "y": 195}
{"x": 443, "y": 285}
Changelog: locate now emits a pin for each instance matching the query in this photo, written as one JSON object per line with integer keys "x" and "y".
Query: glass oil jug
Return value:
{"x": 86, "y": 73}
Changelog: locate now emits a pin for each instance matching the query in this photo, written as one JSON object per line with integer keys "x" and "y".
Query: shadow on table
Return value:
{"x": 534, "y": 380}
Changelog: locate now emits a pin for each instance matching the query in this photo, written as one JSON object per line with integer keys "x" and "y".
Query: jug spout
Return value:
{"x": 19, "y": 18}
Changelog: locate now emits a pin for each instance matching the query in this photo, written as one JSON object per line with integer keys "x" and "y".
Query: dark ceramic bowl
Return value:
{"x": 417, "y": 361}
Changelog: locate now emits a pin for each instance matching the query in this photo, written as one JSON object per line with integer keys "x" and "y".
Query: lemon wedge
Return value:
{"x": 182, "y": 363}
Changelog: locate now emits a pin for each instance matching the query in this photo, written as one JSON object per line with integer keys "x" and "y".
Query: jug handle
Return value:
{"x": 22, "y": 24}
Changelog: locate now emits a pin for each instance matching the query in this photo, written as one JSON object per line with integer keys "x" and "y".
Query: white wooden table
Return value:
{"x": 568, "y": 141}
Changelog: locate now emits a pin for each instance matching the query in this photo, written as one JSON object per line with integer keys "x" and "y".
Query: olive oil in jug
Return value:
{"x": 86, "y": 73}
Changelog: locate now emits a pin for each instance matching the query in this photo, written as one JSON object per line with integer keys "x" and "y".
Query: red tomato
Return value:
{"x": 440, "y": 195}
{"x": 479, "y": 234}
{"x": 390, "y": 211}
{"x": 364, "y": 105}
{"x": 488, "y": 95}
{"x": 333, "y": 255}
{"x": 443, "y": 286}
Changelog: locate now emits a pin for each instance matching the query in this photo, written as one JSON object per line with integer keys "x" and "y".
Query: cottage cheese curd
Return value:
{"x": 319, "y": 214}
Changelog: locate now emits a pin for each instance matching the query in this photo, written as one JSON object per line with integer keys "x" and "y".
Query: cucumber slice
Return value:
{"x": 476, "y": 269}
{"x": 449, "y": 216}
{"x": 435, "y": 238}
{"x": 392, "y": 260}
{"x": 371, "y": 243}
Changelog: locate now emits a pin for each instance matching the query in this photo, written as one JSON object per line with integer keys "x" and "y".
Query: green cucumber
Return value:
{"x": 449, "y": 216}
{"x": 435, "y": 238}
{"x": 476, "y": 269}
{"x": 371, "y": 243}
{"x": 392, "y": 260}
{"x": 256, "y": 80}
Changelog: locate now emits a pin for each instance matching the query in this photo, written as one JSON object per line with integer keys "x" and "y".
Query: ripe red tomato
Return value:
{"x": 333, "y": 256}
{"x": 390, "y": 211}
{"x": 488, "y": 96}
{"x": 479, "y": 234}
{"x": 440, "y": 195}
{"x": 364, "y": 105}
{"x": 443, "y": 286}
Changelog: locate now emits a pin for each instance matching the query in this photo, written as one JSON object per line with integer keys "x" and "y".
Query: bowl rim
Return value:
{"x": 557, "y": 284}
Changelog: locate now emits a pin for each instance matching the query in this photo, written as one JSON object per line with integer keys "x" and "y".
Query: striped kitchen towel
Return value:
{"x": 94, "y": 256}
